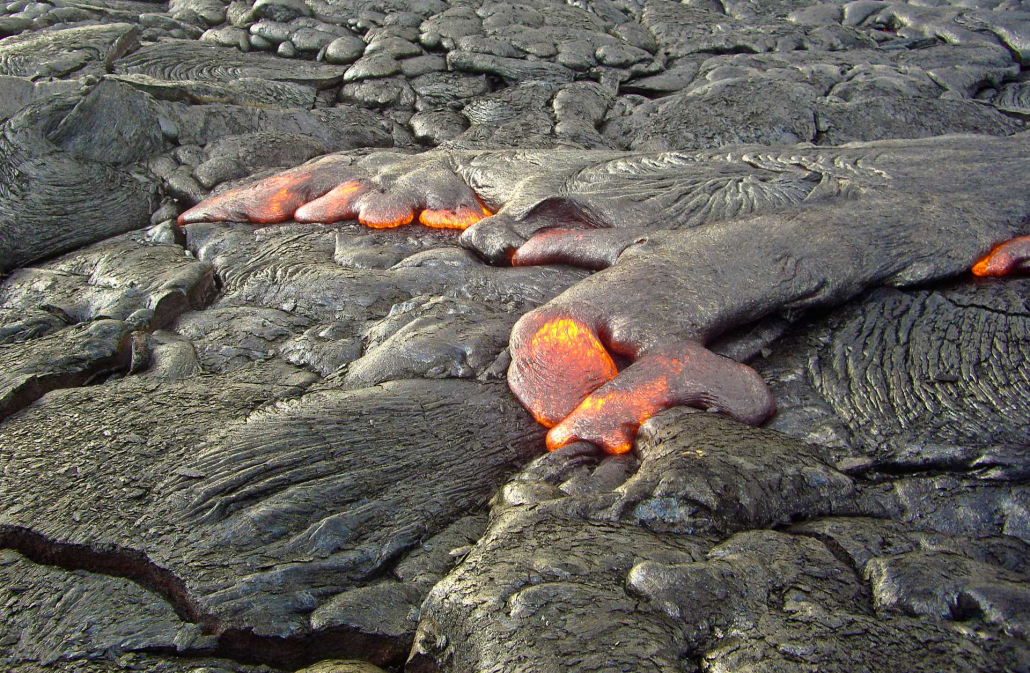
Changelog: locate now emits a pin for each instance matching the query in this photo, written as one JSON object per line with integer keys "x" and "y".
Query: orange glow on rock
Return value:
{"x": 611, "y": 416}
{"x": 560, "y": 365}
{"x": 298, "y": 194}
{"x": 1004, "y": 259}
{"x": 338, "y": 204}
{"x": 286, "y": 195}
{"x": 269, "y": 201}
{"x": 458, "y": 218}
{"x": 682, "y": 372}
{"x": 386, "y": 218}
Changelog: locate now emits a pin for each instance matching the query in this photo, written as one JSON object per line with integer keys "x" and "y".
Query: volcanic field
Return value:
{"x": 476, "y": 336}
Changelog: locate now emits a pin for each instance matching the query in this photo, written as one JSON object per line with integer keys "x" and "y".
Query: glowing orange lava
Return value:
{"x": 267, "y": 202}
{"x": 611, "y": 416}
{"x": 1004, "y": 259}
{"x": 562, "y": 363}
{"x": 336, "y": 205}
{"x": 386, "y": 218}
{"x": 286, "y": 194}
{"x": 459, "y": 218}
{"x": 298, "y": 194}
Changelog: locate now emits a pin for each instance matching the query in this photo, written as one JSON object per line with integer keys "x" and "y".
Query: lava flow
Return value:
{"x": 557, "y": 366}
{"x": 269, "y": 201}
{"x": 565, "y": 377}
{"x": 460, "y": 218}
{"x": 337, "y": 204}
{"x": 302, "y": 195}
{"x": 1009, "y": 257}
{"x": 611, "y": 415}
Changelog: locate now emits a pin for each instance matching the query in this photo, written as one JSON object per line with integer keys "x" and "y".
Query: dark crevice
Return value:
{"x": 870, "y": 473}
{"x": 125, "y": 359}
{"x": 105, "y": 559}
{"x": 728, "y": 51}
{"x": 839, "y": 553}
{"x": 244, "y": 646}
{"x": 238, "y": 644}
{"x": 39, "y": 386}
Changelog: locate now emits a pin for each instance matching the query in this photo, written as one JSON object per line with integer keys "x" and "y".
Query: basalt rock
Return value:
{"x": 930, "y": 388}
{"x": 227, "y": 447}
{"x": 200, "y": 518}
{"x": 203, "y": 62}
{"x": 671, "y": 591}
{"x": 60, "y": 164}
{"x": 87, "y": 50}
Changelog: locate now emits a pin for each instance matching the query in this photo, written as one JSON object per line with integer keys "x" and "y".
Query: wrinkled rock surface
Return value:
{"x": 236, "y": 448}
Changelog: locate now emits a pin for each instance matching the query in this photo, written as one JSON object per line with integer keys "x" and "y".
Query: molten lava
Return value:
{"x": 611, "y": 415}
{"x": 270, "y": 201}
{"x": 386, "y": 216}
{"x": 337, "y": 204}
{"x": 301, "y": 194}
{"x": 562, "y": 373}
{"x": 557, "y": 367}
{"x": 1004, "y": 259}
{"x": 462, "y": 217}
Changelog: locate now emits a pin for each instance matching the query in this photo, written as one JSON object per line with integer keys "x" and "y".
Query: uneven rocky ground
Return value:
{"x": 228, "y": 448}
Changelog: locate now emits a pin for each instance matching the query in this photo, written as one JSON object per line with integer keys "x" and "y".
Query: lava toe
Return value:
{"x": 494, "y": 238}
{"x": 273, "y": 199}
{"x": 1009, "y": 257}
{"x": 339, "y": 204}
{"x": 685, "y": 373}
{"x": 446, "y": 201}
{"x": 557, "y": 360}
{"x": 587, "y": 248}
{"x": 384, "y": 210}
{"x": 460, "y": 217}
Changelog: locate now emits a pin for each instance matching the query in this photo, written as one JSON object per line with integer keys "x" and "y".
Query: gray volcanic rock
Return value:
{"x": 76, "y": 319}
{"x": 17, "y": 92}
{"x": 345, "y": 49}
{"x": 197, "y": 503}
{"x": 38, "y": 630}
{"x": 120, "y": 279}
{"x": 46, "y": 187}
{"x": 68, "y": 359}
{"x": 880, "y": 117}
{"x": 570, "y": 539}
{"x": 55, "y": 53}
{"x": 202, "y": 62}
{"x": 226, "y": 447}
{"x": 510, "y": 69}
{"x": 1014, "y": 97}
{"x": 243, "y": 91}
{"x": 722, "y": 113}
{"x": 933, "y": 386}
{"x": 89, "y": 132}
{"x": 339, "y": 128}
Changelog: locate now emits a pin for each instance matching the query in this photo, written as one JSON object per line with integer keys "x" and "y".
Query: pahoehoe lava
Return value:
{"x": 297, "y": 294}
